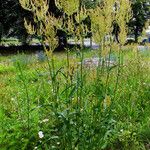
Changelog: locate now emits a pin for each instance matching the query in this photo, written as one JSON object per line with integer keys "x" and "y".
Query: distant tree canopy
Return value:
{"x": 141, "y": 11}
{"x": 90, "y": 3}
{"x": 12, "y": 17}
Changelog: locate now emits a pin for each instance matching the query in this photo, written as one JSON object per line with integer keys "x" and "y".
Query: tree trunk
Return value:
{"x": 136, "y": 34}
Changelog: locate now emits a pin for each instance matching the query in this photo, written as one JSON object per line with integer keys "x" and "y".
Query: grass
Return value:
{"x": 73, "y": 106}
{"x": 11, "y": 41}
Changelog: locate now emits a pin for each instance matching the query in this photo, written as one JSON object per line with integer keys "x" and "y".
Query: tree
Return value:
{"x": 12, "y": 19}
{"x": 90, "y": 3}
{"x": 140, "y": 10}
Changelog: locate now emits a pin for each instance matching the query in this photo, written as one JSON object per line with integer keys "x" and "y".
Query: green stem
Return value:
{"x": 27, "y": 97}
{"x": 118, "y": 72}
{"x": 108, "y": 72}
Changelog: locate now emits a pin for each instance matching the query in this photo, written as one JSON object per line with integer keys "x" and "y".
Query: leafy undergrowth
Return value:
{"x": 74, "y": 107}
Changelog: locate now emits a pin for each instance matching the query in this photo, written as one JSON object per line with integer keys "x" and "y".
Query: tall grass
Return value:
{"x": 83, "y": 112}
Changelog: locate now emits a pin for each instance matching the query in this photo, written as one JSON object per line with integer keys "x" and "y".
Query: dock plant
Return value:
{"x": 61, "y": 104}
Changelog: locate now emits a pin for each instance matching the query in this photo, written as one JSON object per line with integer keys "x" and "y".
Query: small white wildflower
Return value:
{"x": 12, "y": 99}
{"x": 53, "y": 147}
{"x": 35, "y": 147}
{"x": 45, "y": 120}
{"x": 81, "y": 109}
{"x": 41, "y": 135}
{"x": 121, "y": 130}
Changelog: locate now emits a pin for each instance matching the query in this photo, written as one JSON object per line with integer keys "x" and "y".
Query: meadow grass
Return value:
{"x": 72, "y": 106}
